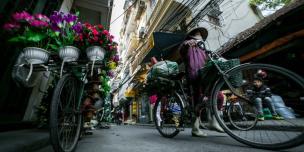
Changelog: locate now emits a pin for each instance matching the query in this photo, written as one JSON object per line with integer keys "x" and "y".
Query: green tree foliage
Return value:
{"x": 270, "y": 4}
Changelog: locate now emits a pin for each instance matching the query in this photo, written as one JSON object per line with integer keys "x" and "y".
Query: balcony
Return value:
{"x": 141, "y": 8}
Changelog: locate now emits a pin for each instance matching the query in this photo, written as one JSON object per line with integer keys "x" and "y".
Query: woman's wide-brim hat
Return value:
{"x": 202, "y": 30}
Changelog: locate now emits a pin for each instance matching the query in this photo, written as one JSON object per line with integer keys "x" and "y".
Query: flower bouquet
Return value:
{"x": 96, "y": 40}
{"x": 30, "y": 32}
{"x": 64, "y": 30}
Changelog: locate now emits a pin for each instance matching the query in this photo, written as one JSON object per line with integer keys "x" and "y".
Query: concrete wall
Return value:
{"x": 237, "y": 16}
{"x": 66, "y": 6}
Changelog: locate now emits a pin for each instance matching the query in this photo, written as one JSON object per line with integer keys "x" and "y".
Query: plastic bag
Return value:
{"x": 163, "y": 69}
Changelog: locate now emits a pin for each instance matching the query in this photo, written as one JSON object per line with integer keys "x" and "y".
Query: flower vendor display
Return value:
{"x": 64, "y": 35}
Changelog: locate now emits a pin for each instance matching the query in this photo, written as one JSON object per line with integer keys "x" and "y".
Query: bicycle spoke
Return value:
{"x": 67, "y": 119}
{"x": 279, "y": 111}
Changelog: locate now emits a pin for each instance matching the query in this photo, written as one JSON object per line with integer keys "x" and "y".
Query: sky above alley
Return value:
{"x": 118, "y": 17}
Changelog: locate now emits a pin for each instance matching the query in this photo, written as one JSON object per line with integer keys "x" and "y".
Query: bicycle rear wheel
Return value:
{"x": 65, "y": 117}
{"x": 287, "y": 98}
{"x": 167, "y": 114}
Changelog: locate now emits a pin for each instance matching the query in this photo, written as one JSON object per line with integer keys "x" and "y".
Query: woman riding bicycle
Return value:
{"x": 195, "y": 58}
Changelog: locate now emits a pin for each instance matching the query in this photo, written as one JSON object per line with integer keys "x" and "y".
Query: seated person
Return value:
{"x": 260, "y": 93}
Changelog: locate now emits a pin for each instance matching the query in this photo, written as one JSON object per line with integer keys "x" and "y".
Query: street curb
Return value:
{"x": 146, "y": 125}
{"x": 24, "y": 140}
{"x": 139, "y": 124}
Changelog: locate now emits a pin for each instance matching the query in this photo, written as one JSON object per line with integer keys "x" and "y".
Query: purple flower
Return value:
{"x": 116, "y": 58}
{"x": 77, "y": 27}
{"x": 110, "y": 74}
{"x": 11, "y": 26}
{"x": 70, "y": 18}
{"x": 57, "y": 18}
{"x": 55, "y": 28}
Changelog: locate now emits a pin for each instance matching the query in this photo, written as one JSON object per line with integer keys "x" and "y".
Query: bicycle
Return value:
{"x": 66, "y": 119}
{"x": 242, "y": 125}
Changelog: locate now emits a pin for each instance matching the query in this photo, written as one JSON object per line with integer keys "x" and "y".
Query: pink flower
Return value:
{"x": 94, "y": 31}
{"x": 22, "y": 16}
{"x": 110, "y": 40}
{"x": 153, "y": 99}
{"x": 100, "y": 26}
{"x": 42, "y": 17}
{"x": 11, "y": 26}
{"x": 39, "y": 24}
{"x": 111, "y": 47}
{"x": 95, "y": 38}
{"x": 105, "y": 32}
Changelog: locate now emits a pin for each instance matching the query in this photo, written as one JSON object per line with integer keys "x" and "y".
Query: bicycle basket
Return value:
{"x": 235, "y": 79}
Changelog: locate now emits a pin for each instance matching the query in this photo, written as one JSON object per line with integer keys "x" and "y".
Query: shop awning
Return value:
{"x": 163, "y": 42}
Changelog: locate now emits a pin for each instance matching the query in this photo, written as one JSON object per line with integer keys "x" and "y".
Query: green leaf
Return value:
{"x": 35, "y": 37}
{"x": 58, "y": 42}
{"x": 17, "y": 39}
{"x": 54, "y": 47}
{"x": 77, "y": 13}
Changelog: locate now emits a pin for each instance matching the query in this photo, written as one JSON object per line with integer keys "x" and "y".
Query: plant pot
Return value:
{"x": 34, "y": 55}
{"x": 95, "y": 53}
{"x": 69, "y": 53}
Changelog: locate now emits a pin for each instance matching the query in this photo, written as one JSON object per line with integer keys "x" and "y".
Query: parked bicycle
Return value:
{"x": 68, "y": 107}
{"x": 171, "y": 110}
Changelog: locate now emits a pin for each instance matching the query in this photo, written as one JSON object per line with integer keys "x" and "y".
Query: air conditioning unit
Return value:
{"x": 142, "y": 4}
{"x": 142, "y": 32}
{"x": 215, "y": 11}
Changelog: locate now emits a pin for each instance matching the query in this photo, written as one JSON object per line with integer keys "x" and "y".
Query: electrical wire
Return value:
{"x": 124, "y": 12}
{"x": 178, "y": 10}
{"x": 177, "y": 18}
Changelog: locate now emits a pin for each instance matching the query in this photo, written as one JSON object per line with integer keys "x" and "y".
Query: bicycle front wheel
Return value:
{"x": 65, "y": 117}
{"x": 279, "y": 109}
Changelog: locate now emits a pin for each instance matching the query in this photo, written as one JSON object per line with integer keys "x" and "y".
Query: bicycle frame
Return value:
{"x": 213, "y": 56}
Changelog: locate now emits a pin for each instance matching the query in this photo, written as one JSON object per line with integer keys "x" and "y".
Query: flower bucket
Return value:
{"x": 34, "y": 55}
{"x": 95, "y": 53}
{"x": 69, "y": 53}
{"x": 20, "y": 73}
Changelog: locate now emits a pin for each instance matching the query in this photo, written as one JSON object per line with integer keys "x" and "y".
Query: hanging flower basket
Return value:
{"x": 95, "y": 53}
{"x": 69, "y": 53}
{"x": 35, "y": 55}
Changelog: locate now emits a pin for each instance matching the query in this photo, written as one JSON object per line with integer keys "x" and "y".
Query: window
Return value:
{"x": 153, "y": 3}
{"x": 214, "y": 14}
{"x": 214, "y": 20}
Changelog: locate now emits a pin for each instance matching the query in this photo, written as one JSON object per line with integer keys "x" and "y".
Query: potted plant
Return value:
{"x": 64, "y": 30}
{"x": 96, "y": 39}
{"x": 30, "y": 32}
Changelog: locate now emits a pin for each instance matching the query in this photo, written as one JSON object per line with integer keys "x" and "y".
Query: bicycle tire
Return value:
{"x": 279, "y": 142}
{"x": 70, "y": 115}
{"x": 234, "y": 124}
{"x": 159, "y": 126}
